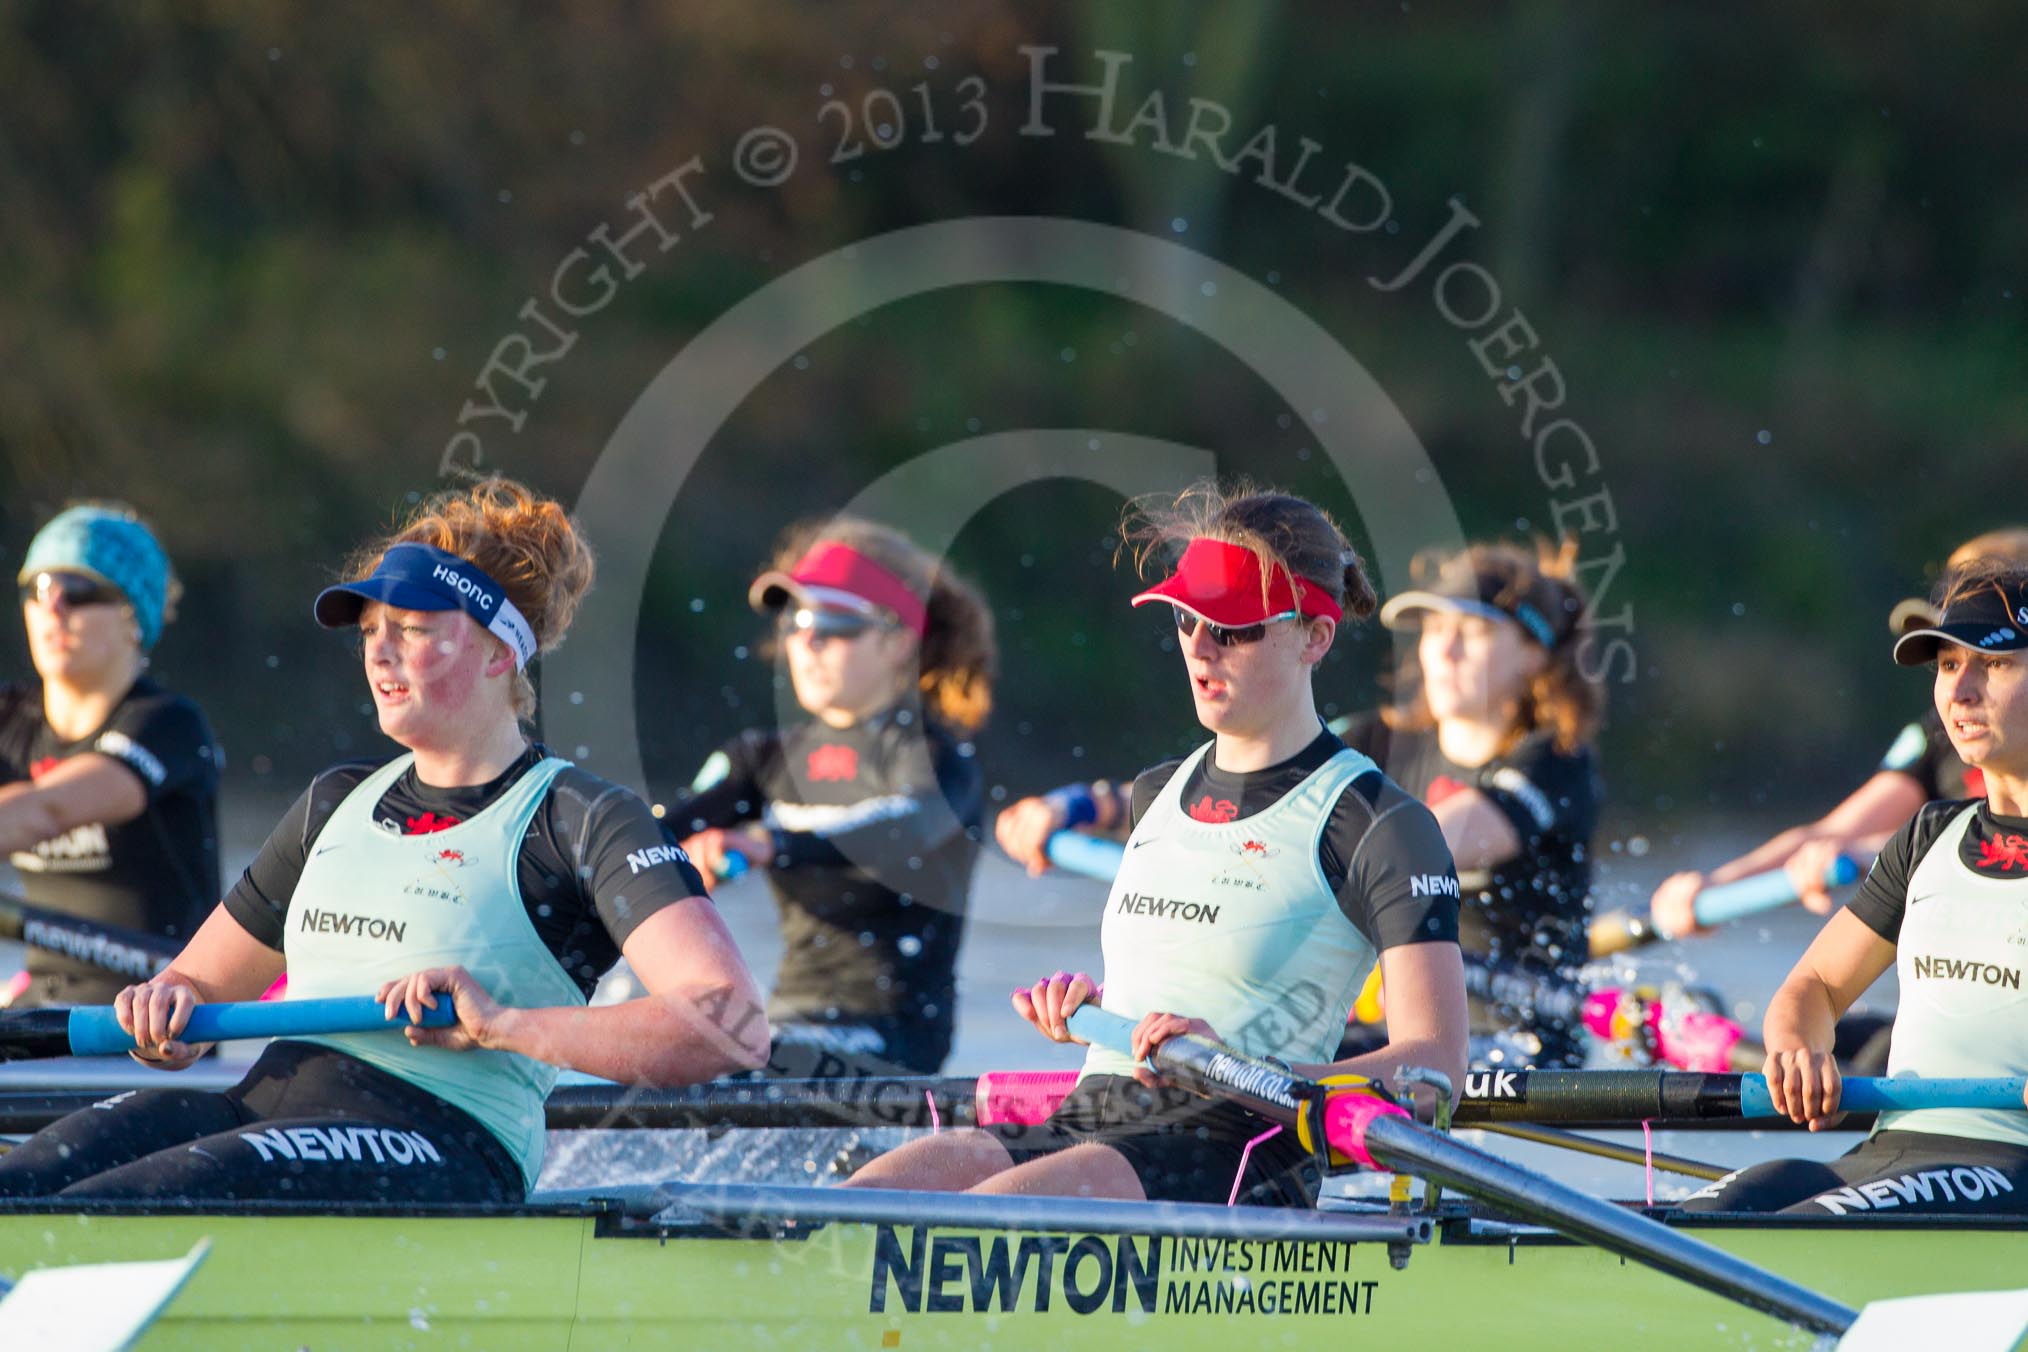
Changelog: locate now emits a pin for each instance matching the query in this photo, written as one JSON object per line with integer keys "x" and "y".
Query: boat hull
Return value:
{"x": 603, "y": 1276}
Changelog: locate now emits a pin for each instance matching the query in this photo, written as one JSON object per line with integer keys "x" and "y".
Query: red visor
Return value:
{"x": 840, "y": 577}
{"x": 1221, "y": 582}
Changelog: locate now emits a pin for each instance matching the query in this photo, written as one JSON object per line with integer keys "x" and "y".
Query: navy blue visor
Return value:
{"x": 421, "y": 577}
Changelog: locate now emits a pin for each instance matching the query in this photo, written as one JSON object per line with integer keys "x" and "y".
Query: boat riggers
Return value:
{"x": 92, "y": 1030}
{"x": 1395, "y": 1141}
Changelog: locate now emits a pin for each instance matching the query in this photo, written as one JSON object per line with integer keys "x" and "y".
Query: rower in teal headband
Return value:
{"x": 108, "y": 781}
{"x": 112, "y": 545}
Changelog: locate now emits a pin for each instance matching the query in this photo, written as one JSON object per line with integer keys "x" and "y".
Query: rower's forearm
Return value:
{"x": 1801, "y": 1015}
{"x": 1380, "y": 1064}
{"x": 26, "y": 818}
{"x": 1770, "y": 854}
{"x": 661, "y": 1041}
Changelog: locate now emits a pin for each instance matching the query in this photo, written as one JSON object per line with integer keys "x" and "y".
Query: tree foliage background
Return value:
{"x": 252, "y": 258}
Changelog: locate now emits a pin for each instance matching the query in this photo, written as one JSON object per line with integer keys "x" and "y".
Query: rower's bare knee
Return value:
{"x": 950, "y": 1161}
{"x": 1089, "y": 1170}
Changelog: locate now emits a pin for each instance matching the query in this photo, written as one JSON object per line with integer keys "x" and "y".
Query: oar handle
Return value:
{"x": 1764, "y": 892}
{"x": 1103, "y": 1028}
{"x": 1086, "y": 856}
{"x": 1896, "y": 1094}
{"x": 95, "y": 1032}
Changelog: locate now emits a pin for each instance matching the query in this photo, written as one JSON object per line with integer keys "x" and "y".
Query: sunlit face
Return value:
{"x": 75, "y": 644}
{"x": 1983, "y": 701}
{"x": 433, "y": 673}
{"x": 1474, "y": 666}
{"x": 1248, "y": 689}
{"x": 842, "y": 678}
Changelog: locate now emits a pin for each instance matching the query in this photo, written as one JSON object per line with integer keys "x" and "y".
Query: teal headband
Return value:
{"x": 113, "y": 546}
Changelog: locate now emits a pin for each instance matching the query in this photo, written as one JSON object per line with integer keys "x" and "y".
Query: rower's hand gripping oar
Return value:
{"x": 92, "y": 1030}
{"x": 1716, "y": 905}
{"x": 1364, "y": 1126}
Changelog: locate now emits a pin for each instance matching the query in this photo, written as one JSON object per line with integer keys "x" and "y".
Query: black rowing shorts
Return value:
{"x": 1901, "y": 1173}
{"x": 1182, "y": 1147}
{"x": 308, "y": 1123}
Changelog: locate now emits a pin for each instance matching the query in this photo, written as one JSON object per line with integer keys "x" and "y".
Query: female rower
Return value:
{"x": 1495, "y": 734}
{"x": 109, "y": 805}
{"x": 475, "y": 865}
{"x": 1257, "y": 927}
{"x": 1946, "y": 904}
{"x": 1921, "y": 767}
{"x": 866, "y": 816}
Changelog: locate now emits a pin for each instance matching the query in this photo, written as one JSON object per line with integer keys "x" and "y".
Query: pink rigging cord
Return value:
{"x": 1233, "y": 1200}
{"x": 1648, "y": 1143}
{"x": 936, "y": 1123}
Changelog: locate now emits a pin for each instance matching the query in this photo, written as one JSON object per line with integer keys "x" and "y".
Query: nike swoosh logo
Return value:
{"x": 1139, "y": 843}
{"x": 324, "y": 849}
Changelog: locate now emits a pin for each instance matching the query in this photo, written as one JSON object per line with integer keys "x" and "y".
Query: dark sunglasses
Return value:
{"x": 76, "y": 589}
{"x": 838, "y": 624}
{"x": 1186, "y": 624}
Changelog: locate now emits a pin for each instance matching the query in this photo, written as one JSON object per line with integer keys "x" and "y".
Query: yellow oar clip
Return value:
{"x": 1310, "y": 1121}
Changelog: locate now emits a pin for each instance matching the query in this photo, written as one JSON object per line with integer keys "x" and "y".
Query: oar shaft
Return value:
{"x": 1407, "y": 1148}
{"x": 1402, "y": 1145}
{"x": 112, "y": 948}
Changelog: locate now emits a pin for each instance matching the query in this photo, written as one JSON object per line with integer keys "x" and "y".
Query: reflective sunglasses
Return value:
{"x": 826, "y": 624}
{"x": 76, "y": 589}
{"x": 1239, "y": 636}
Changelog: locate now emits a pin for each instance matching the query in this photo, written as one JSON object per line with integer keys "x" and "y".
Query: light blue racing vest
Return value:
{"x": 1962, "y": 959}
{"x": 1234, "y": 923}
{"x": 373, "y": 905}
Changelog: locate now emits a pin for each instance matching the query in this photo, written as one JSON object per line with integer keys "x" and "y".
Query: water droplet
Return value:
{"x": 1179, "y": 225}
{"x": 1764, "y": 437}
{"x": 1209, "y": 288}
{"x": 1069, "y": 354}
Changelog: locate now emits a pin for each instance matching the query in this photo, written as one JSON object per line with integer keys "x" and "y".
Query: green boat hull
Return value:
{"x": 604, "y": 1276}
